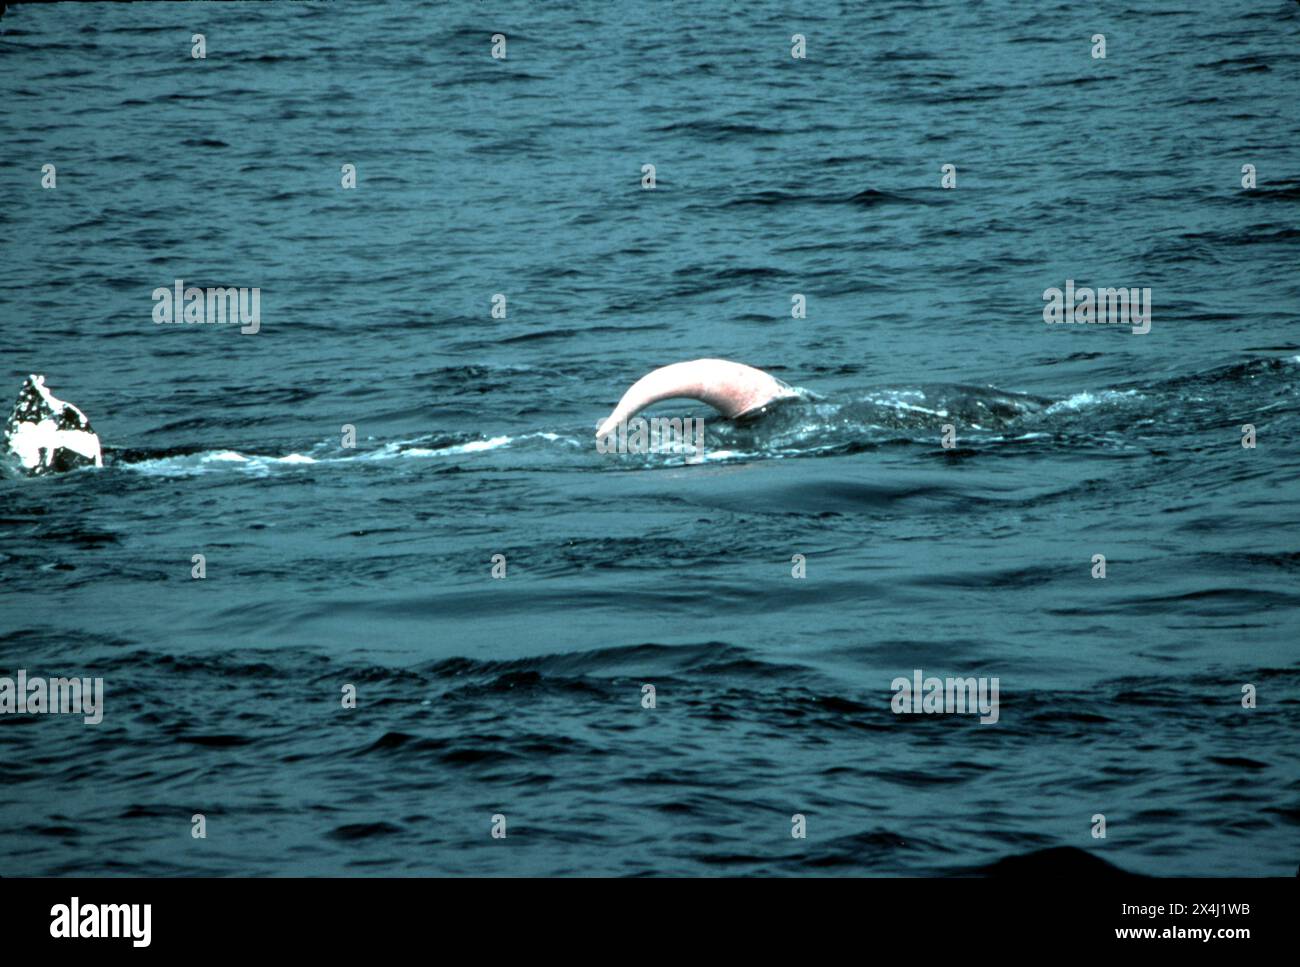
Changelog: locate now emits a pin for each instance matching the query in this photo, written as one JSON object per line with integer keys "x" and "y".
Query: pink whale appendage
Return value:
{"x": 730, "y": 388}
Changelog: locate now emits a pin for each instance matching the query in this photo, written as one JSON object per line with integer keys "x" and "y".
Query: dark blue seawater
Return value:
{"x": 371, "y": 566}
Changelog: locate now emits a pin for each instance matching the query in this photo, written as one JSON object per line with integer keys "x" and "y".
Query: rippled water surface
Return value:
{"x": 371, "y": 566}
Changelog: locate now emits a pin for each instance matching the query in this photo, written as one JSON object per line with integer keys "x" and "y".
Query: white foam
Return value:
{"x": 478, "y": 446}
{"x": 327, "y": 453}
{"x": 474, "y": 446}
{"x": 900, "y": 405}
{"x": 1085, "y": 399}
{"x": 213, "y": 461}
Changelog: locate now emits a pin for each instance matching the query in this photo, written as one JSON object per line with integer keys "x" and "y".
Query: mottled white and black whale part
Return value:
{"x": 47, "y": 435}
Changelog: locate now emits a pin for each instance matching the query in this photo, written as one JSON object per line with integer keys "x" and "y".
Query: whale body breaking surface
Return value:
{"x": 760, "y": 417}
{"x": 44, "y": 434}
{"x": 744, "y": 394}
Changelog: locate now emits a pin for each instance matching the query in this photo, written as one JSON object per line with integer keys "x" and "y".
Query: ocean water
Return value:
{"x": 522, "y": 697}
